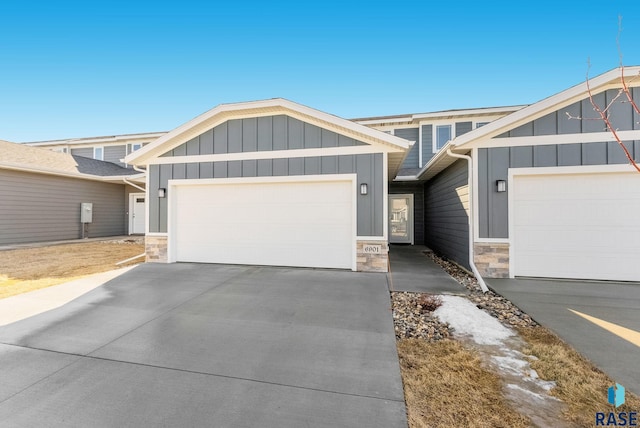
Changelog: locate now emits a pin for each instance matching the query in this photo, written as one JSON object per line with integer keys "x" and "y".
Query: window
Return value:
{"x": 443, "y": 134}
{"x": 98, "y": 153}
{"x": 136, "y": 146}
{"x": 479, "y": 124}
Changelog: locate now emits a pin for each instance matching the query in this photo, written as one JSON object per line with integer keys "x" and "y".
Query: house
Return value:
{"x": 552, "y": 194}
{"x": 540, "y": 190}
{"x": 42, "y": 192}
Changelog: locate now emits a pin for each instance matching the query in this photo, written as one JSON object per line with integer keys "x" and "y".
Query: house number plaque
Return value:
{"x": 372, "y": 249}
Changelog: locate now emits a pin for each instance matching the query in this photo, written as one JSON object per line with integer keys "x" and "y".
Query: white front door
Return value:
{"x": 401, "y": 219}
{"x": 136, "y": 213}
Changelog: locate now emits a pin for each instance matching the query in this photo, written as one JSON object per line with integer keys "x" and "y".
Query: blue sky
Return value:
{"x": 78, "y": 69}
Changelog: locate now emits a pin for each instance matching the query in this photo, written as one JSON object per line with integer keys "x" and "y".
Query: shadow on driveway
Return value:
{"x": 550, "y": 303}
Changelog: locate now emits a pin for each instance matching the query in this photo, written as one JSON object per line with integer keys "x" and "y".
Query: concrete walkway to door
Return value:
{"x": 411, "y": 270}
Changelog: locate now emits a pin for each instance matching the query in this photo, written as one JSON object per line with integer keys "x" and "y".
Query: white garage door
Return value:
{"x": 577, "y": 226}
{"x": 307, "y": 224}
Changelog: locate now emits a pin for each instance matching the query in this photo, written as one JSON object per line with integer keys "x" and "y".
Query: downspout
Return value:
{"x": 474, "y": 269}
{"x": 133, "y": 185}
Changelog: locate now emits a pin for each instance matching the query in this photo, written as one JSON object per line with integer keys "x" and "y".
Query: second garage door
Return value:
{"x": 304, "y": 224}
{"x": 584, "y": 226}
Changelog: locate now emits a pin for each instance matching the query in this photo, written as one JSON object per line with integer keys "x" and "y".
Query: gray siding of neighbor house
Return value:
{"x": 113, "y": 154}
{"x": 411, "y": 134}
{"x": 493, "y": 164}
{"x": 622, "y": 115}
{"x": 446, "y": 199}
{"x": 40, "y": 208}
{"x": 463, "y": 128}
{"x": 85, "y": 152}
{"x": 261, "y": 134}
{"x": 417, "y": 190}
{"x": 272, "y": 133}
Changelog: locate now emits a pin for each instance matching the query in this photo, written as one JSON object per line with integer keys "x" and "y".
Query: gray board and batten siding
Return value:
{"x": 41, "y": 208}
{"x": 266, "y": 134}
{"x": 446, "y": 218}
{"x": 622, "y": 117}
{"x": 412, "y": 161}
{"x": 494, "y": 163}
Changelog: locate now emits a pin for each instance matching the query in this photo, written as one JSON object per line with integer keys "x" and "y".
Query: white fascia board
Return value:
{"x": 452, "y": 114}
{"x": 610, "y": 79}
{"x": 79, "y": 142}
{"x": 387, "y": 121}
{"x": 271, "y": 107}
{"x": 47, "y": 171}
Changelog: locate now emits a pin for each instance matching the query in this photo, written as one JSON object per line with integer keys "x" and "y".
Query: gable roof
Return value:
{"x": 395, "y": 146}
{"x": 462, "y": 144}
{"x": 24, "y": 158}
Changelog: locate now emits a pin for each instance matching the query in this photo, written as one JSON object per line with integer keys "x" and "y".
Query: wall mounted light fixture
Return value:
{"x": 162, "y": 192}
{"x": 501, "y": 185}
{"x": 364, "y": 189}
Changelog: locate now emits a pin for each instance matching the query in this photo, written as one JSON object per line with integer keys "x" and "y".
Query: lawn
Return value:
{"x": 28, "y": 269}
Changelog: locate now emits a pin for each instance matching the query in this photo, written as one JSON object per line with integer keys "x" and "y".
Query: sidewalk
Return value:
{"x": 16, "y": 308}
{"x": 71, "y": 241}
{"x": 412, "y": 271}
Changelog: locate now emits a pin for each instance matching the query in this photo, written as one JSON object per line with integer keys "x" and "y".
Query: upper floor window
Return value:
{"x": 443, "y": 134}
{"x": 479, "y": 124}
{"x": 135, "y": 146}
{"x": 98, "y": 153}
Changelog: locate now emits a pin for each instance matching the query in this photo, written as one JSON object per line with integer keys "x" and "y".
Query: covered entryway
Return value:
{"x": 576, "y": 225}
{"x": 299, "y": 221}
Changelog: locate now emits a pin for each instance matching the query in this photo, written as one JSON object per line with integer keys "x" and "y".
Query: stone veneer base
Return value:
{"x": 156, "y": 249}
{"x": 492, "y": 259}
{"x": 372, "y": 262}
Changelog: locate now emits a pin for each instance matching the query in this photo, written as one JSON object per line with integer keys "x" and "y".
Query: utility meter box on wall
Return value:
{"x": 86, "y": 212}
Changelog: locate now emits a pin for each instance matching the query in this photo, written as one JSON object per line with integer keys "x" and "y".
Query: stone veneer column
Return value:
{"x": 492, "y": 259}
{"x": 369, "y": 259}
{"x": 156, "y": 249}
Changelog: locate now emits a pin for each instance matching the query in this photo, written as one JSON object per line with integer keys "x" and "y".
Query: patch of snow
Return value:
{"x": 467, "y": 319}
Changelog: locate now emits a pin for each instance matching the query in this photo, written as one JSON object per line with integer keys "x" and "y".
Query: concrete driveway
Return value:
{"x": 209, "y": 345}
{"x": 609, "y": 335}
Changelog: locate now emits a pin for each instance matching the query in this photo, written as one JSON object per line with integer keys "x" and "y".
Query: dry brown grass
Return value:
{"x": 579, "y": 384}
{"x": 29, "y": 269}
{"x": 446, "y": 385}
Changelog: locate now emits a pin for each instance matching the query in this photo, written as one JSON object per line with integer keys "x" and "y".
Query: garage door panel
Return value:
{"x": 306, "y": 224}
{"x": 577, "y": 226}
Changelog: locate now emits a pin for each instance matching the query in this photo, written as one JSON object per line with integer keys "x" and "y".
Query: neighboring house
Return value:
{"x": 42, "y": 192}
{"x": 109, "y": 149}
{"x": 552, "y": 196}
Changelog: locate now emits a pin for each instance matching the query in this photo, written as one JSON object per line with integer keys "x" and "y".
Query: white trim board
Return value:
{"x": 539, "y": 140}
{"x": 273, "y": 154}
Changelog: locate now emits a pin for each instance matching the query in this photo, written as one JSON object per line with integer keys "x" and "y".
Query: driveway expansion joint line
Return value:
{"x": 81, "y": 356}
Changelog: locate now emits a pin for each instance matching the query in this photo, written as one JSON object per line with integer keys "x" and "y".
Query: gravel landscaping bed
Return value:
{"x": 413, "y": 318}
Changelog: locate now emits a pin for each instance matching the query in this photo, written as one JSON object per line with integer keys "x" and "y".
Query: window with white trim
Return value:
{"x": 443, "y": 133}
{"x": 479, "y": 124}
{"x": 98, "y": 153}
{"x": 135, "y": 146}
